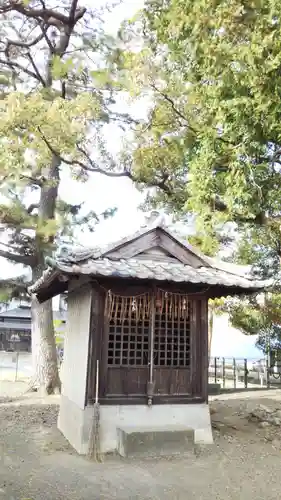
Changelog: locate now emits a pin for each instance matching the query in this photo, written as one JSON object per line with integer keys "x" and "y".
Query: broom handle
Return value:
{"x": 97, "y": 383}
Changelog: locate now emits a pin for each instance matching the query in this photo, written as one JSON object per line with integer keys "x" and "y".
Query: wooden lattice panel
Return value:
{"x": 172, "y": 332}
{"x": 130, "y": 330}
{"x": 128, "y": 333}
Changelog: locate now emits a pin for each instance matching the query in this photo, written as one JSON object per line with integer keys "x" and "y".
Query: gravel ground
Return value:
{"x": 37, "y": 462}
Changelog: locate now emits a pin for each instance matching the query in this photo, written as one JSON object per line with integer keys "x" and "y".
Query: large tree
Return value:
{"x": 57, "y": 88}
{"x": 211, "y": 74}
{"x": 259, "y": 314}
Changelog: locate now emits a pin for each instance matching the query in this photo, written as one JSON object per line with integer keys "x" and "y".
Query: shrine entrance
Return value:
{"x": 151, "y": 344}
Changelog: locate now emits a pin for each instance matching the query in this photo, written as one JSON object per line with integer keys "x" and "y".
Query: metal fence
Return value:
{"x": 15, "y": 366}
{"x": 228, "y": 373}
{"x": 242, "y": 373}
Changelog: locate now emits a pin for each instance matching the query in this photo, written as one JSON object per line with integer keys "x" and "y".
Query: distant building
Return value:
{"x": 15, "y": 328}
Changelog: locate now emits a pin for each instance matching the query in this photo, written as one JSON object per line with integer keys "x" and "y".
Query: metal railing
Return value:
{"x": 239, "y": 373}
{"x": 15, "y": 366}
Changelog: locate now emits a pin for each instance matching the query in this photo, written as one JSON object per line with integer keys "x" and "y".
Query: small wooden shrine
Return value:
{"x": 137, "y": 309}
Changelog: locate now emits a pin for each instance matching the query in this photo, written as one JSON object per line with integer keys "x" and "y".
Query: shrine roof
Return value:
{"x": 153, "y": 253}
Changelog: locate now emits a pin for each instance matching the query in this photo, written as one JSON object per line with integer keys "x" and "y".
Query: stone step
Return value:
{"x": 156, "y": 442}
{"x": 214, "y": 388}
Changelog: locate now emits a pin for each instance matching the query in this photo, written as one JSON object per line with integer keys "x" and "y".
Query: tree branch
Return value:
{"x": 13, "y": 65}
{"x": 25, "y": 45}
{"x": 39, "y": 76}
{"x": 18, "y": 285}
{"x": 44, "y": 30}
{"x": 19, "y": 259}
{"x": 173, "y": 106}
{"x": 8, "y": 246}
{"x": 83, "y": 165}
{"x": 33, "y": 180}
{"x": 218, "y": 205}
{"x": 32, "y": 206}
{"x": 95, "y": 169}
{"x": 50, "y": 16}
{"x": 72, "y": 11}
{"x": 182, "y": 116}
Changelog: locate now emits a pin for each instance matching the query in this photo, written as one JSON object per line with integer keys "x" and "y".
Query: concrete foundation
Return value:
{"x": 147, "y": 441}
{"x": 75, "y": 420}
{"x": 75, "y": 423}
{"x": 214, "y": 388}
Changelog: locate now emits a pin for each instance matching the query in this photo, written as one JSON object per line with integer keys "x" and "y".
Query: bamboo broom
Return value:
{"x": 94, "y": 451}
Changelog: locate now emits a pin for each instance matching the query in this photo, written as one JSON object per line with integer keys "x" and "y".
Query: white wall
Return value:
{"x": 74, "y": 372}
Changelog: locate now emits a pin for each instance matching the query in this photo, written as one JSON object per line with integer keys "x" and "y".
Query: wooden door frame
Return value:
{"x": 197, "y": 356}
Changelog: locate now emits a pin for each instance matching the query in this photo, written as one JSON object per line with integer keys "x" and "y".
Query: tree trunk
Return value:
{"x": 44, "y": 354}
{"x": 45, "y": 362}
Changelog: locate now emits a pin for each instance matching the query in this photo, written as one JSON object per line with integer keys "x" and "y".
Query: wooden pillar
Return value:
{"x": 199, "y": 347}
{"x": 95, "y": 344}
{"x": 211, "y": 329}
{"x": 204, "y": 358}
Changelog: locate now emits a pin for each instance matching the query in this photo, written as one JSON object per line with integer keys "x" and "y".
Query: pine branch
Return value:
{"x": 19, "y": 259}
{"x": 91, "y": 166}
{"x": 51, "y": 17}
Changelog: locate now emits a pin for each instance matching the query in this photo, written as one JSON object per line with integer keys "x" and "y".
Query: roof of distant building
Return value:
{"x": 19, "y": 318}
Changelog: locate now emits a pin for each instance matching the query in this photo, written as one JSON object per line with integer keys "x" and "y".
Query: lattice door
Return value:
{"x": 172, "y": 345}
{"x": 131, "y": 339}
{"x": 128, "y": 333}
{"x": 172, "y": 331}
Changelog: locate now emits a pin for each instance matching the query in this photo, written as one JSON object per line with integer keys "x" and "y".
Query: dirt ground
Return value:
{"x": 37, "y": 462}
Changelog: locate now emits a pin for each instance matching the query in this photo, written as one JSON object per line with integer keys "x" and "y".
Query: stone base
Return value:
{"x": 145, "y": 442}
{"x": 75, "y": 423}
{"x": 214, "y": 388}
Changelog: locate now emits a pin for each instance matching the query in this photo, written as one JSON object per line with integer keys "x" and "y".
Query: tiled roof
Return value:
{"x": 78, "y": 254}
{"x": 94, "y": 262}
{"x": 160, "y": 271}
{"x": 149, "y": 269}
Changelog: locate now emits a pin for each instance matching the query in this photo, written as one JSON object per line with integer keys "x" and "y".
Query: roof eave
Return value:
{"x": 57, "y": 283}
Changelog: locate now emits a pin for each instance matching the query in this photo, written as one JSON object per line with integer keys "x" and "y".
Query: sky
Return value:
{"x": 229, "y": 342}
{"x": 101, "y": 192}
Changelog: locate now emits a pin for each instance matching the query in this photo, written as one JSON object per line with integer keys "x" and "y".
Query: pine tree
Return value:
{"x": 260, "y": 314}
{"x": 57, "y": 88}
